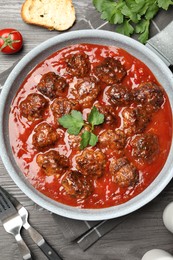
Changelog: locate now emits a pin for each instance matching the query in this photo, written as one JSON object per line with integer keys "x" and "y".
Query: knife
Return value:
{"x": 34, "y": 234}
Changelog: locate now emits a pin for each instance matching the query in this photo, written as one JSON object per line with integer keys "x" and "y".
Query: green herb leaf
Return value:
{"x": 95, "y": 117}
{"x": 98, "y": 4}
{"x": 93, "y": 139}
{"x": 151, "y": 11}
{"x": 128, "y": 13}
{"x": 164, "y": 4}
{"x": 106, "y": 7}
{"x": 85, "y": 139}
{"x": 139, "y": 7}
{"x": 140, "y": 27}
{"x": 117, "y": 18}
{"x": 73, "y": 122}
{"x": 143, "y": 28}
{"x": 108, "y": 11}
{"x": 88, "y": 138}
{"x": 126, "y": 28}
{"x": 101, "y": 5}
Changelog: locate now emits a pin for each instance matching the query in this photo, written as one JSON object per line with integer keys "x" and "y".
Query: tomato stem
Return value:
{"x": 8, "y": 41}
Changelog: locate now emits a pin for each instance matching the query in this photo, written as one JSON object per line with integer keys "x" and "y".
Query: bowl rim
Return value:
{"x": 58, "y": 208}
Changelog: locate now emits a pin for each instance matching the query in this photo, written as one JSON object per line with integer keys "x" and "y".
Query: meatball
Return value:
{"x": 135, "y": 120}
{"x": 149, "y": 94}
{"x": 78, "y": 65}
{"x": 110, "y": 71}
{"x": 74, "y": 141}
{"x": 33, "y": 106}
{"x": 145, "y": 146}
{"x": 108, "y": 112}
{"x": 129, "y": 120}
{"x": 86, "y": 91}
{"x": 52, "y": 163}
{"x": 63, "y": 106}
{"x": 115, "y": 140}
{"x": 52, "y": 85}
{"x": 123, "y": 172}
{"x": 143, "y": 118}
{"x": 77, "y": 185}
{"x": 91, "y": 162}
{"x": 119, "y": 95}
{"x": 44, "y": 135}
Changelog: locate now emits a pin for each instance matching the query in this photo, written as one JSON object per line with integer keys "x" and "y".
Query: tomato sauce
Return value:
{"x": 106, "y": 192}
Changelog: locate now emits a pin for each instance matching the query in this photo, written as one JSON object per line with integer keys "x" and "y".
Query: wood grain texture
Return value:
{"x": 142, "y": 231}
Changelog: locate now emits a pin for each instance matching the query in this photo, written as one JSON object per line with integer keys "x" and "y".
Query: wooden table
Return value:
{"x": 144, "y": 229}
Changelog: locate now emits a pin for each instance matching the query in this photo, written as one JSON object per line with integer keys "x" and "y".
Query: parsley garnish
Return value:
{"x": 74, "y": 123}
{"x": 95, "y": 117}
{"x": 131, "y": 16}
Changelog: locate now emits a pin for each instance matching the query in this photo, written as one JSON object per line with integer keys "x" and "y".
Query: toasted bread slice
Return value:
{"x": 52, "y": 14}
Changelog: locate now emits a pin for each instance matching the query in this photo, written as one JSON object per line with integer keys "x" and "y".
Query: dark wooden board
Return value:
{"x": 144, "y": 229}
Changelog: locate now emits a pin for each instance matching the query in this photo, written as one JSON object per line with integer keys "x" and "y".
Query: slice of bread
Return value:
{"x": 52, "y": 14}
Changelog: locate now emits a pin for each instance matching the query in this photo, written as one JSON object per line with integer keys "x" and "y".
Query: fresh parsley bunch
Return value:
{"x": 74, "y": 123}
{"x": 131, "y": 16}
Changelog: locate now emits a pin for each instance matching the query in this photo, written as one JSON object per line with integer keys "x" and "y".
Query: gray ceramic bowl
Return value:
{"x": 12, "y": 84}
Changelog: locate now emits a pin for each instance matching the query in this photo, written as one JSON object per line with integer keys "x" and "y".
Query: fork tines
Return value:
{"x": 7, "y": 209}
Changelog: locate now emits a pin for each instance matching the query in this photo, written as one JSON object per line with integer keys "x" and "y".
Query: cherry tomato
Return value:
{"x": 11, "y": 41}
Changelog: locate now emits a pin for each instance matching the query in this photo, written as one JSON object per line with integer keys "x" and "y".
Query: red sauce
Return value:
{"x": 106, "y": 192}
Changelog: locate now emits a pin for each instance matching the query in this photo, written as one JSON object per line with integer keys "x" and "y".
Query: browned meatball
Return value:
{"x": 52, "y": 85}
{"x": 44, "y": 135}
{"x": 129, "y": 120}
{"x": 115, "y": 140}
{"x": 33, "y": 106}
{"x": 135, "y": 120}
{"x": 74, "y": 141}
{"x": 52, "y": 163}
{"x": 119, "y": 95}
{"x": 123, "y": 172}
{"x": 86, "y": 91}
{"x": 78, "y": 65}
{"x": 77, "y": 185}
{"x": 145, "y": 146}
{"x": 150, "y": 94}
{"x": 108, "y": 112}
{"x": 110, "y": 71}
{"x": 63, "y": 106}
{"x": 91, "y": 162}
{"x": 143, "y": 118}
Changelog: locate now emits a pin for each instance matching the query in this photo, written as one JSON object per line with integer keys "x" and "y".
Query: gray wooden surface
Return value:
{"x": 144, "y": 229}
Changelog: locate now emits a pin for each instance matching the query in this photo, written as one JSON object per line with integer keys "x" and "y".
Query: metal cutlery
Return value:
{"x": 12, "y": 223}
{"x": 34, "y": 234}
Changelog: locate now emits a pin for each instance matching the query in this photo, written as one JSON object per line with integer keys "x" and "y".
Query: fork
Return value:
{"x": 34, "y": 234}
{"x": 12, "y": 223}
